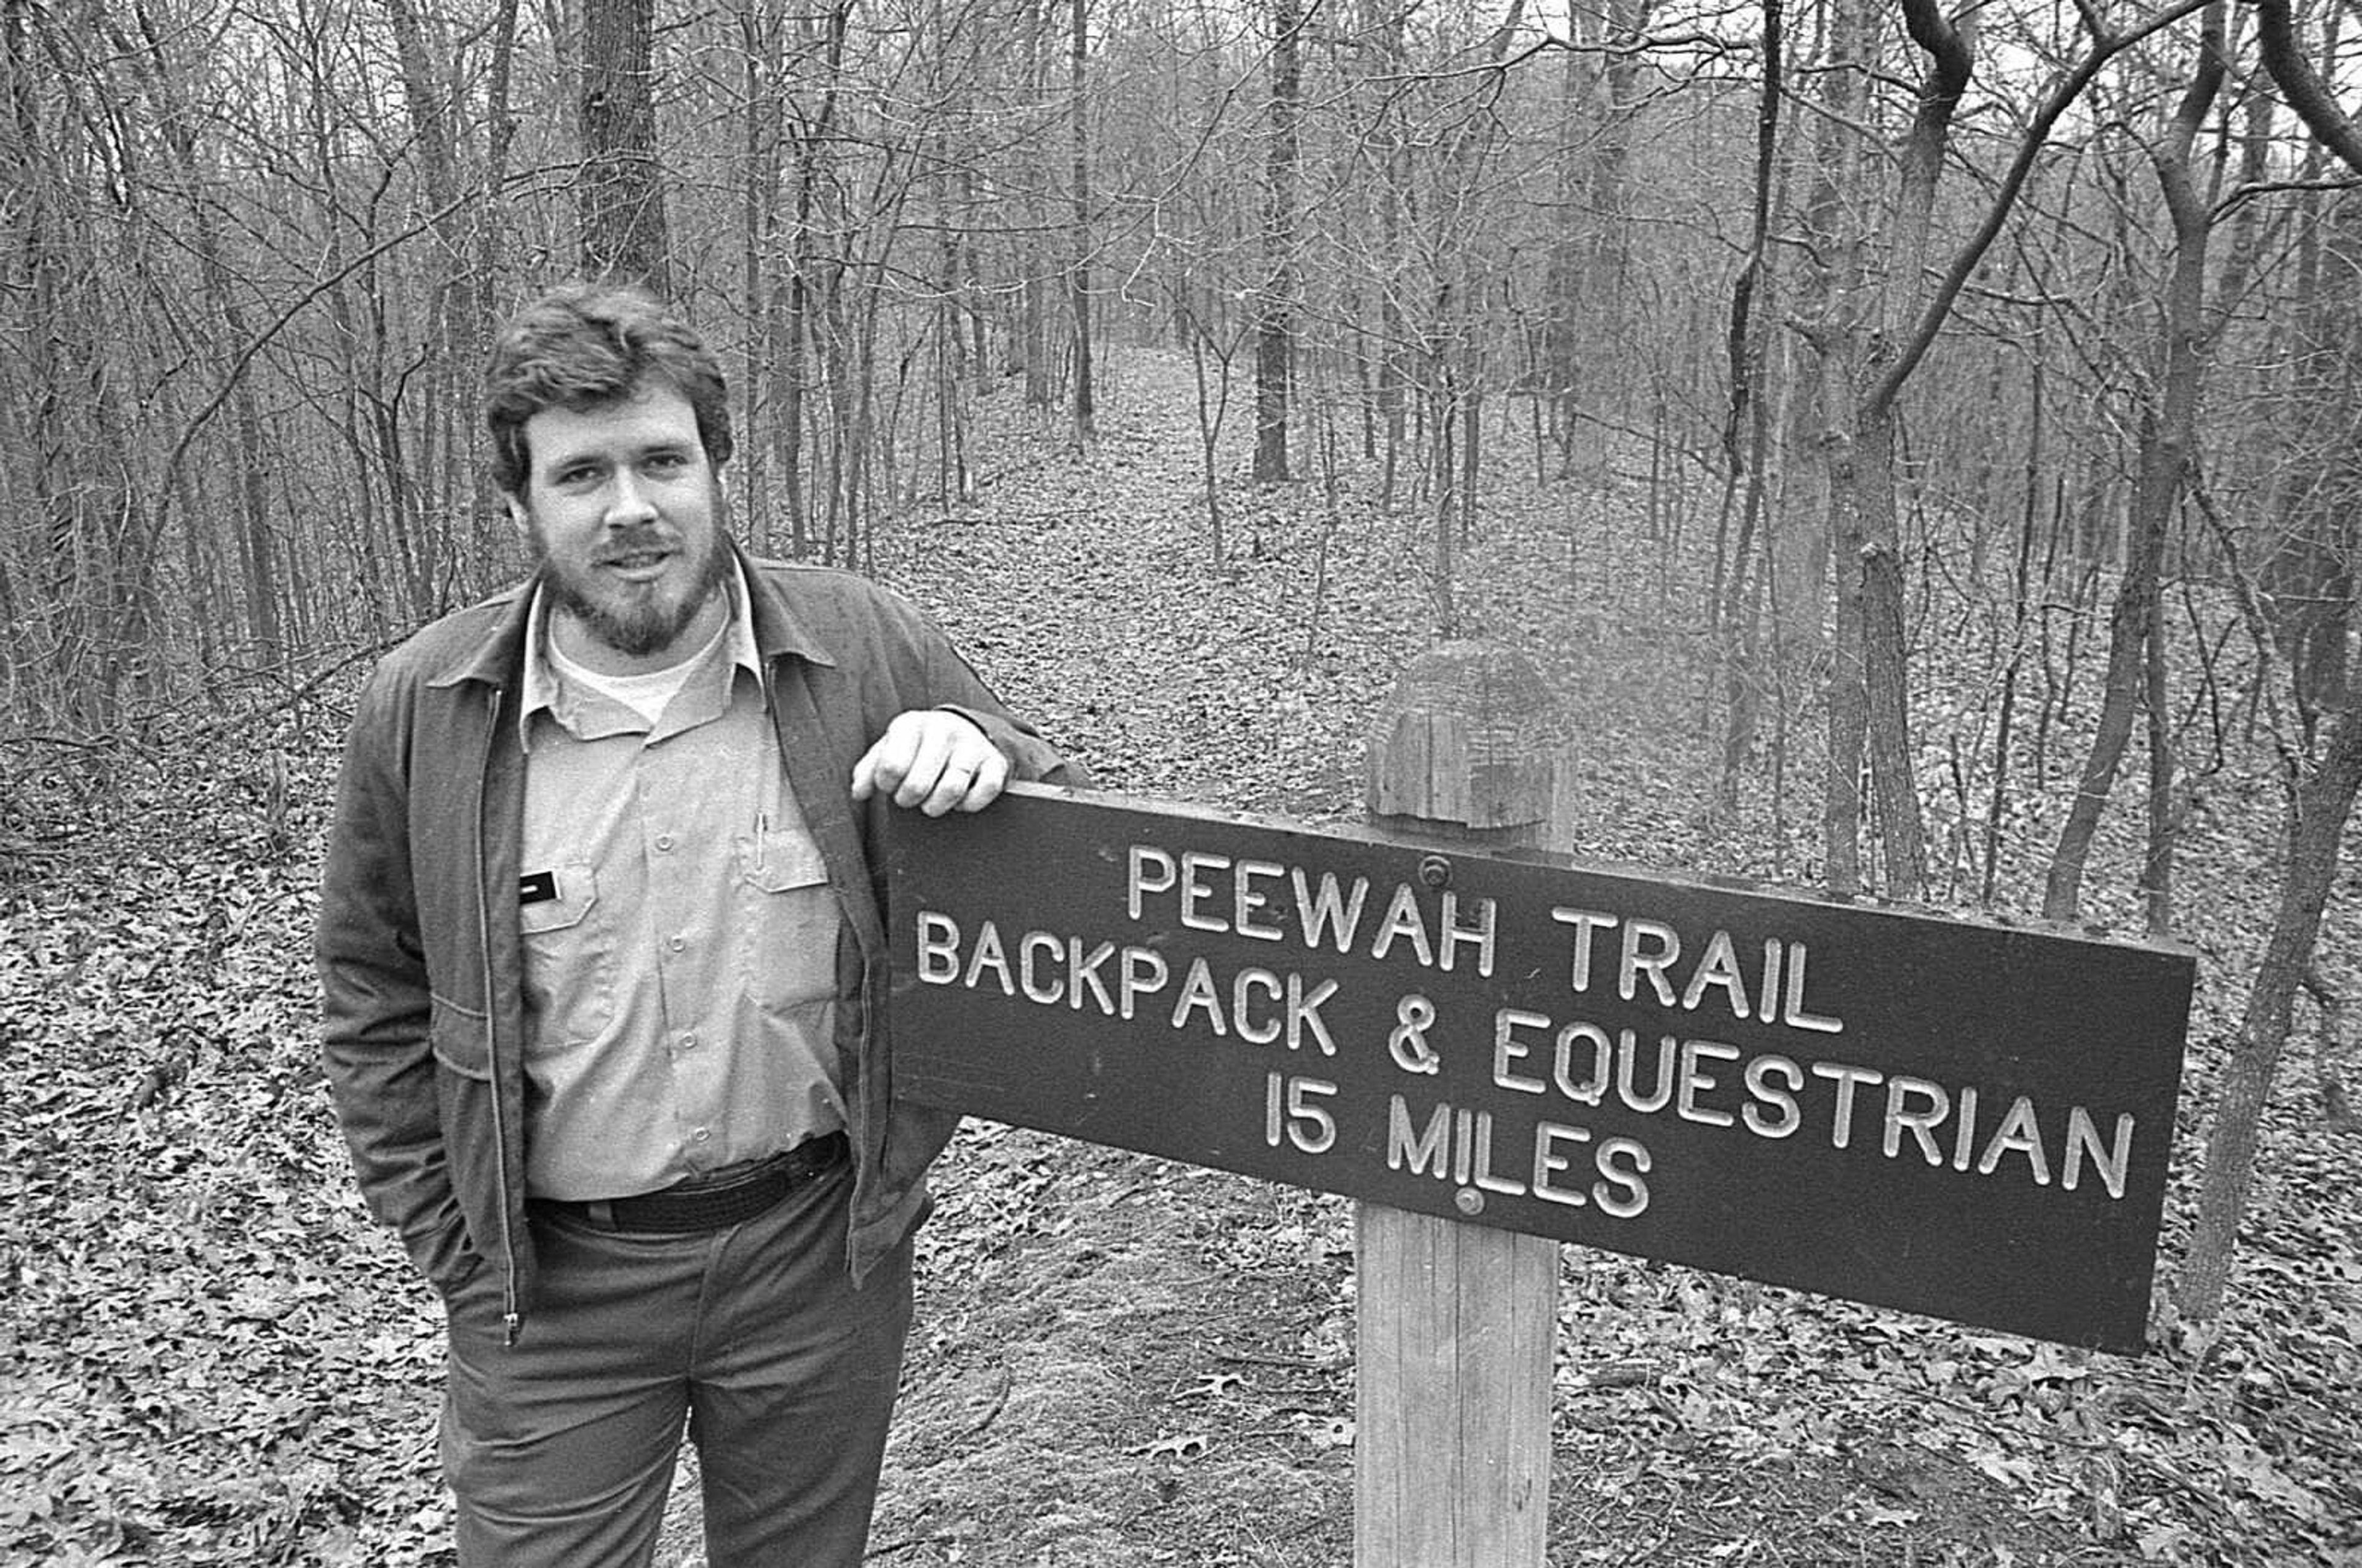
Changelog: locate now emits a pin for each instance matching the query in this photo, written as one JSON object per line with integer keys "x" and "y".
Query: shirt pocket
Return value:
{"x": 787, "y": 943}
{"x": 569, "y": 957}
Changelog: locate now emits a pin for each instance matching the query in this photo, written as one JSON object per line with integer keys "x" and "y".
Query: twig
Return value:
{"x": 908, "y": 1541}
{"x": 999, "y": 1400}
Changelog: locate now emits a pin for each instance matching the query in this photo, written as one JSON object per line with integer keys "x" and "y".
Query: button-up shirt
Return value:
{"x": 679, "y": 926}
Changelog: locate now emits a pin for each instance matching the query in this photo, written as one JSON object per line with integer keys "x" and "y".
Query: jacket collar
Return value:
{"x": 779, "y": 629}
{"x": 495, "y": 656}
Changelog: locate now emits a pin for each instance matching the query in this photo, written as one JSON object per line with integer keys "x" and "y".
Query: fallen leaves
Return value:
{"x": 211, "y": 1357}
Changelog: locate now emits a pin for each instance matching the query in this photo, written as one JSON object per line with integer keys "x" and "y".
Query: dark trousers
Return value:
{"x": 560, "y": 1449}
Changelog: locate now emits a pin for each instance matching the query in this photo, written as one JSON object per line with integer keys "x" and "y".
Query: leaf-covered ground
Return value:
{"x": 210, "y": 1357}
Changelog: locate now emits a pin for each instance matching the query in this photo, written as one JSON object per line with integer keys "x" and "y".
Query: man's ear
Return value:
{"x": 518, "y": 517}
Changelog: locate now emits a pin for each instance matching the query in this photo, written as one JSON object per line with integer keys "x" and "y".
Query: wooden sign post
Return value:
{"x": 1456, "y": 1324}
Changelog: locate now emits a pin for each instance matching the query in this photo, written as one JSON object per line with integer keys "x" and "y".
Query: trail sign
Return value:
{"x": 1968, "y": 1119}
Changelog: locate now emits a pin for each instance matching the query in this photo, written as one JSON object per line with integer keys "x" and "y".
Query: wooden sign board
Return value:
{"x": 1971, "y": 1120}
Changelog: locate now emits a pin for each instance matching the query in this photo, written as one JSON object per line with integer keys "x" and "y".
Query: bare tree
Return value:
{"x": 2321, "y": 800}
{"x": 2169, "y": 427}
{"x": 2321, "y": 786}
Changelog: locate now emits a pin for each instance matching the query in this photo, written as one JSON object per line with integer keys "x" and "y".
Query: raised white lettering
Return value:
{"x": 1327, "y": 913}
{"x": 1029, "y": 946}
{"x": 1794, "y": 1015}
{"x": 1920, "y": 1121}
{"x": 987, "y": 955}
{"x": 1304, "y": 1014}
{"x": 1479, "y": 935}
{"x": 1507, "y": 1048}
{"x": 1548, "y": 1162}
{"x": 1404, "y": 918}
{"x": 1144, "y": 862}
{"x": 1720, "y": 967}
{"x": 1785, "y": 1118}
{"x": 1593, "y": 1086}
{"x": 1199, "y": 992}
{"x": 2019, "y": 1133}
{"x": 1422, "y": 1153}
{"x": 1847, "y": 1078}
{"x": 1248, "y": 902}
{"x": 1695, "y": 1082}
{"x": 1144, "y": 974}
{"x": 1083, "y": 975}
{"x": 1194, "y": 891}
{"x": 1627, "y": 1055}
{"x": 1486, "y": 1179}
{"x": 1650, "y": 947}
{"x": 1587, "y": 923}
{"x": 938, "y": 938}
{"x": 1619, "y": 1191}
{"x": 2083, "y": 1138}
{"x": 1256, "y": 979}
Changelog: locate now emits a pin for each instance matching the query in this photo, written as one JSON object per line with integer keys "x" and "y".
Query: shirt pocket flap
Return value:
{"x": 556, "y": 900}
{"x": 781, "y": 861}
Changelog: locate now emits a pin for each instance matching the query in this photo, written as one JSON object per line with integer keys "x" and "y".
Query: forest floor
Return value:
{"x": 208, "y": 1356}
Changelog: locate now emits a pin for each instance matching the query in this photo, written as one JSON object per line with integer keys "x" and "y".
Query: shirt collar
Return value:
{"x": 542, "y": 687}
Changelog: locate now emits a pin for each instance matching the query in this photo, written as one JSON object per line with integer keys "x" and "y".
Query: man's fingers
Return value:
{"x": 990, "y": 782}
{"x": 972, "y": 779}
{"x": 936, "y": 761}
{"x": 929, "y": 760}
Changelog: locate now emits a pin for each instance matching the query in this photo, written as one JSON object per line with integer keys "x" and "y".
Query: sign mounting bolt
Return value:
{"x": 1435, "y": 871}
{"x": 1468, "y": 1200}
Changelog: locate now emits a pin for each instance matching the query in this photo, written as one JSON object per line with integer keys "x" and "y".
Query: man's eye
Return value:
{"x": 575, "y": 478}
{"x": 667, "y": 462}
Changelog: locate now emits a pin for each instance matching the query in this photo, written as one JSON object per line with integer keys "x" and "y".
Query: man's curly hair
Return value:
{"x": 581, "y": 345}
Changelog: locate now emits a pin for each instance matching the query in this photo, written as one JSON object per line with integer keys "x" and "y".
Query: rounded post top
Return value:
{"x": 1468, "y": 737}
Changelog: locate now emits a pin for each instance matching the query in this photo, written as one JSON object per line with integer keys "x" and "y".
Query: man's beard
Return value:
{"x": 634, "y": 625}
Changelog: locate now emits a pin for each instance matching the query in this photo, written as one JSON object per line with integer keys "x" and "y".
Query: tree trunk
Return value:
{"x": 1393, "y": 331}
{"x": 1080, "y": 278}
{"x": 2168, "y": 432}
{"x": 620, "y": 190}
{"x": 1034, "y": 328}
{"x": 760, "y": 26}
{"x": 50, "y": 444}
{"x": 1275, "y": 300}
{"x": 792, "y": 324}
{"x": 454, "y": 311}
{"x": 1828, "y": 301}
{"x": 1606, "y": 295}
{"x": 1885, "y": 659}
{"x": 2319, "y": 806}
{"x": 257, "y": 544}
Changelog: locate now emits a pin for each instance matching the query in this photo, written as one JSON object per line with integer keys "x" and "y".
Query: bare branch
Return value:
{"x": 2105, "y": 48}
{"x": 2307, "y": 94}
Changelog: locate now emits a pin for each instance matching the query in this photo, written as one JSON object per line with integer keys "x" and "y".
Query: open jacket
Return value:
{"x": 421, "y": 963}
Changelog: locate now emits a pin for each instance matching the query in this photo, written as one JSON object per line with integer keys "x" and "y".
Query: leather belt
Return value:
{"x": 706, "y": 1203}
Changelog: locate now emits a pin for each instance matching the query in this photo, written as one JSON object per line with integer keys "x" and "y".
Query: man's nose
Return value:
{"x": 629, "y": 504}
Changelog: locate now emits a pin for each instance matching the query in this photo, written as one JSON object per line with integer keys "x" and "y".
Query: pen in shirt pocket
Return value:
{"x": 762, "y": 831}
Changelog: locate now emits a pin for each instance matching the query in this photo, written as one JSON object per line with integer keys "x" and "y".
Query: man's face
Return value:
{"x": 619, "y": 510}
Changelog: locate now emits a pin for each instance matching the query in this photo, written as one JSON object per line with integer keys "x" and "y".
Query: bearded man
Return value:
{"x": 604, "y": 964}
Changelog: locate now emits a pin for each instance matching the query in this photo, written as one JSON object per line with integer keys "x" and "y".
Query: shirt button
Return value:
{"x": 664, "y": 842}
{"x": 677, "y": 942}
{"x": 688, "y": 1042}
{"x": 700, "y": 1135}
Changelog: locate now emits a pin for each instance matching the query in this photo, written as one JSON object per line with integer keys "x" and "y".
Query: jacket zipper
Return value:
{"x": 509, "y": 1314}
